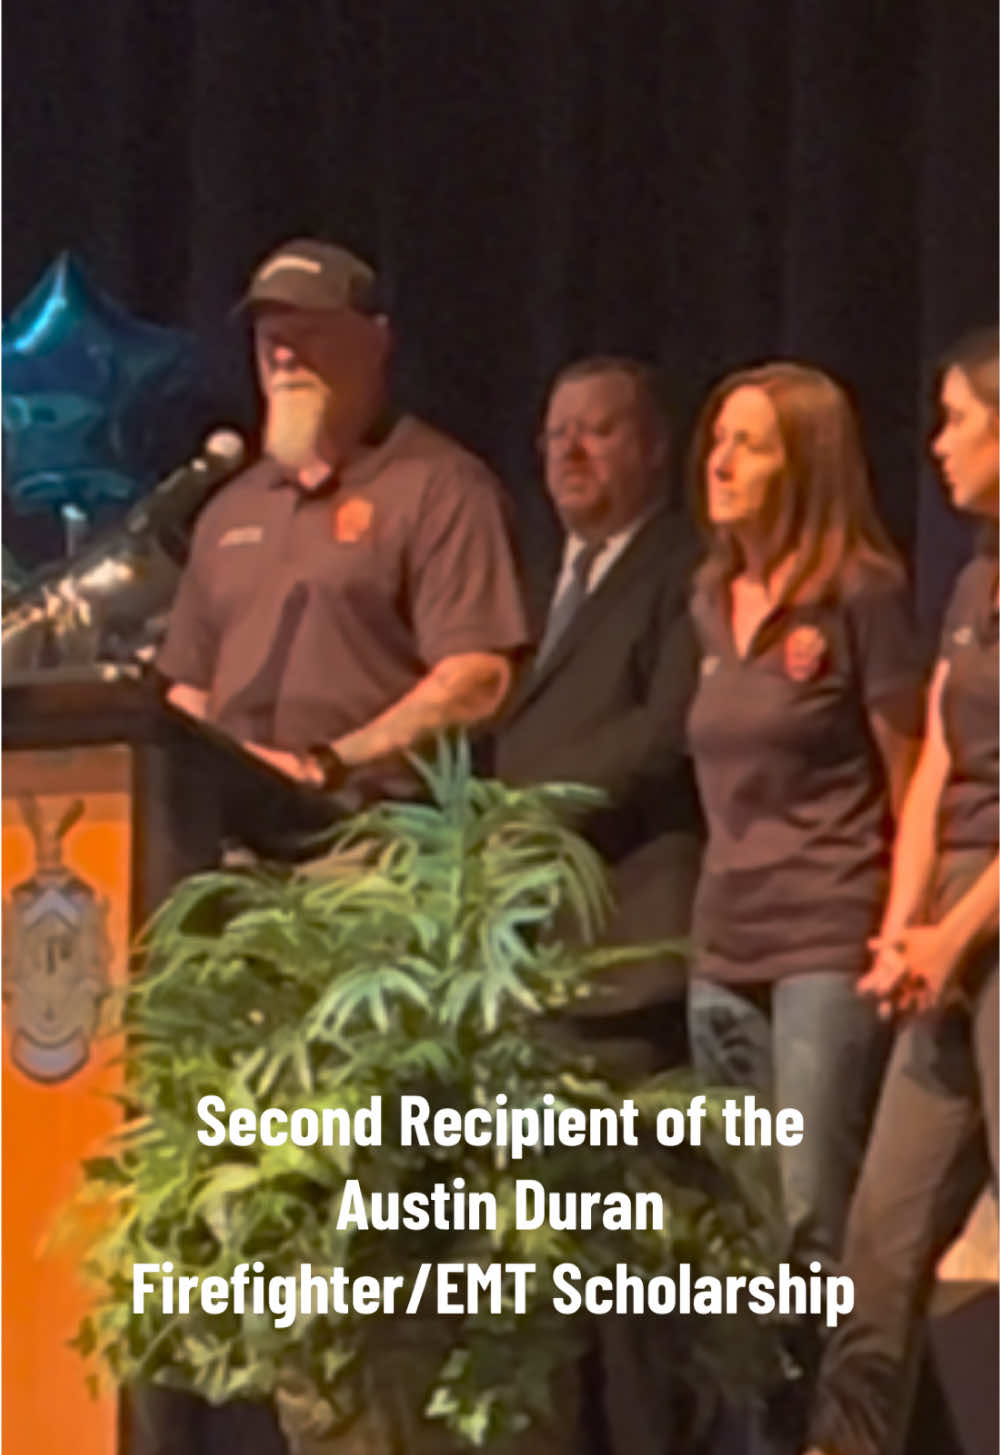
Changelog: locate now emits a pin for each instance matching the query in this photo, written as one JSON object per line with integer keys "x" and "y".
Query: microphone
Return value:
{"x": 173, "y": 504}
{"x": 121, "y": 580}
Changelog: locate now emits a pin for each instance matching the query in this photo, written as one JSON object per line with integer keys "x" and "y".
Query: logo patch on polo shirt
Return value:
{"x": 352, "y": 519}
{"x": 242, "y": 535}
{"x": 804, "y": 651}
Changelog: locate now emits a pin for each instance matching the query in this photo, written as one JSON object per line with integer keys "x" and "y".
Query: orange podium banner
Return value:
{"x": 66, "y": 909}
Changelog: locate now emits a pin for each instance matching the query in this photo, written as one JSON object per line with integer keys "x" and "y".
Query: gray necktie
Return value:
{"x": 565, "y": 606}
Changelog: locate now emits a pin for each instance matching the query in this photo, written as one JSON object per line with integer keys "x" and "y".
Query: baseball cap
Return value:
{"x": 305, "y": 273}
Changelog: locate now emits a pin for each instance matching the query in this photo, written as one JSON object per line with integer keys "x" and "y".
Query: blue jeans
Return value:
{"x": 809, "y": 1042}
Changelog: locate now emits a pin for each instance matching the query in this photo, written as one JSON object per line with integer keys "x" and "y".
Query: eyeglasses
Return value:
{"x": 593, "y": 435}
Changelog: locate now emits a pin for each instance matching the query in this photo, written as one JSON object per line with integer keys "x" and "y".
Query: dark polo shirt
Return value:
{"x": 968, "y": 813}
{"x": 795, "y": 870}
{"x": 305, "y": 614}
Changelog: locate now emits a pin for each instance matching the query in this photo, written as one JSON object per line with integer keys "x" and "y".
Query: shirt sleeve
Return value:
{"x": 888, "y": 659}
{"x": 189, "y": 651}
{"x": 465, "y": 595}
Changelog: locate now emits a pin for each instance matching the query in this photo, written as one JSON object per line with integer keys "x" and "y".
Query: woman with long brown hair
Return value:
{"x": 803, "y": 732}
{"x": 935, "y": 961}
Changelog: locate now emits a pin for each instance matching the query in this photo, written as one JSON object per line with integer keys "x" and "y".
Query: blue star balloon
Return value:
{"x": 84, "y": 388}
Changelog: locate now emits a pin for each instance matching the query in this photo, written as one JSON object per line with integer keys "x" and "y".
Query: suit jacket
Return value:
{"x": 608, "y": 707}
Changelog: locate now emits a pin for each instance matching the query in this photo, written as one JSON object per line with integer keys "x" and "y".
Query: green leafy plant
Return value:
{"x": 428, "y": 953}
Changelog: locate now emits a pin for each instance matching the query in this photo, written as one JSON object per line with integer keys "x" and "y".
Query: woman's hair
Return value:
{"x": 822, "y": 515}
{"x": 976, "y": 355}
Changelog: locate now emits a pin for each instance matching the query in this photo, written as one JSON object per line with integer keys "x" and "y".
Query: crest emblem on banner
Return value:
{"x": 57, "y": 955}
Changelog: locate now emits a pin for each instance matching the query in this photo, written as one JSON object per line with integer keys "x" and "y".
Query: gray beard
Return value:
{"x": 294, "y": 429}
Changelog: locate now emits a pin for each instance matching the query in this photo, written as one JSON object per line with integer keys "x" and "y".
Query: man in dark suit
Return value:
{"x": 604, "y": 703}
{"x": 605, "y": 700}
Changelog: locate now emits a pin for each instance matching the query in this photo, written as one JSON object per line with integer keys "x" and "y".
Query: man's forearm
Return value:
{"x": 460, "y": 691}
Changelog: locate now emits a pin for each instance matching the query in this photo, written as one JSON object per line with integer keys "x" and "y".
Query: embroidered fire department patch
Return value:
{"x": 804, "y": 650}
{"x": 352, "y": 519}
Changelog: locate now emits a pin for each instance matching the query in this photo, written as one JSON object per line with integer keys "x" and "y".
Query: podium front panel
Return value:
{"x": 67, "y": 853}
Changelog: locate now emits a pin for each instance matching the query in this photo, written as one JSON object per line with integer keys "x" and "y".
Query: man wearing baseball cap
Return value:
{"x": 353, "y": 591}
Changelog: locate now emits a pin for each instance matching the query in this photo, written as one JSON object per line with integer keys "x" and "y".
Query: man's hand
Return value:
{"x": 192, "y": 700}
{"x": 301, "y": 769}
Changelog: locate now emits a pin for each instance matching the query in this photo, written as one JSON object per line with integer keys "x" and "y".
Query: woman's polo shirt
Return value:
{"x": 792, "y": 783}
{"x": 968, "y": 812}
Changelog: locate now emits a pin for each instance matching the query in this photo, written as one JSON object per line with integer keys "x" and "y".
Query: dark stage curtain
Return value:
{"x": 705, "y": 182}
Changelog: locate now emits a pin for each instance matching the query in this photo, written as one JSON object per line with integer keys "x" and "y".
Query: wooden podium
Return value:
{"x": 109, "y": 798}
